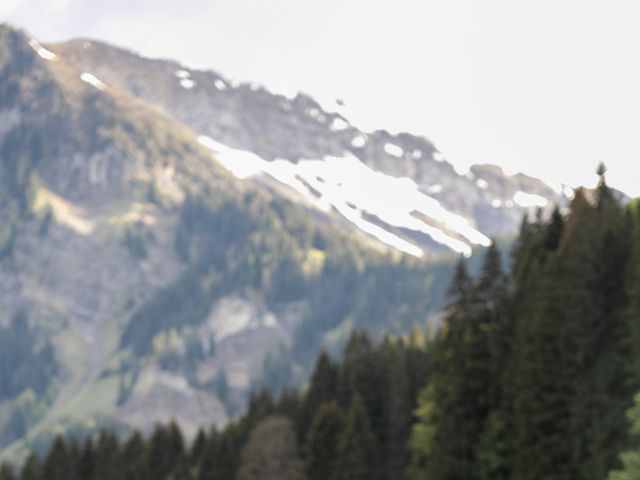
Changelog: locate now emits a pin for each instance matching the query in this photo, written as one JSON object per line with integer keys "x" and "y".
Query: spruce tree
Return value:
{"x": 57, "y": 464}
{"x": 86, "y": 460}
{"x": 462, "y": 389}
{"x": 107, "y": 458}
{"x": 7, "y": 472}
{"x": 166, "y": 449}
{"x": 356, "y": 446}
{"x": 322, "y": 388}
{"x": 322, "y": 443}
{"x": 569, "y": 385}
{"x": 630, "y": 458}
{"x": 134, "y": 458}
{"x": 32, "y": 469}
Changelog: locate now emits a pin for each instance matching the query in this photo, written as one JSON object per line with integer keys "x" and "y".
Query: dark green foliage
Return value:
{"x": 6, "y": 472}
{"x": 366, "y": 442}
{"x": 532, "y": 372}
{"x": 58, "y": 463}
{"x": 32, "y": 469}
{"x": 569, "y": 371}
{"x": 322, "y": 442}
{"x": 631, "y": 458}
{"x": 166, "y": 448}
{"x": 465, "y": 382}
{"x": 357, "y": 446}
{"x": 322, "y": 389}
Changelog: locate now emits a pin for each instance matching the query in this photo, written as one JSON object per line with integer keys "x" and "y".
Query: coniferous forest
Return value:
{"x": 532, "y": 375}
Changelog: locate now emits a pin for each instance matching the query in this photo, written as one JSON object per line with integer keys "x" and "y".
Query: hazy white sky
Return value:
{"x": 548, "y": 87}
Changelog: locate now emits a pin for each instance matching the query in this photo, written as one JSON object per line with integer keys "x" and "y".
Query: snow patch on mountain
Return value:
{"x": 40, "y": 50}
{"x": 93, "y": 81}
{"x": 529, "y": 199}
{"x": 188, "y": 83}
{"x": 358, "y": 141}
{"x": 354, "y": 189}
{"x": 483, "y": 184}
{"x": 339, "y": 124}
{"x": 393, "y": 150}
{"x": 568, "y": 192}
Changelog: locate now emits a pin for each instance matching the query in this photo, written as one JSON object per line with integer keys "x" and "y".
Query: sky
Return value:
{"x": 547, "y": 87}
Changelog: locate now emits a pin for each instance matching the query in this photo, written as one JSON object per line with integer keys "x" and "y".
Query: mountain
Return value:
{"x": 170, "y": 239}
{"x": 317, "y": 152}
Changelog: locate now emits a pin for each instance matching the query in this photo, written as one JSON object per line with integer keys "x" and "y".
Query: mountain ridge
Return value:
{"x": 247, "y": 117}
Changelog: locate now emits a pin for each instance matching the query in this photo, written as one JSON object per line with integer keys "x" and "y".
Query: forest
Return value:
{"x": 532, "y": 375}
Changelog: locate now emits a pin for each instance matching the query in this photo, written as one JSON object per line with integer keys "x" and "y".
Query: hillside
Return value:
{"x": 151, "y": 282}
{"x": 533, "y": 375}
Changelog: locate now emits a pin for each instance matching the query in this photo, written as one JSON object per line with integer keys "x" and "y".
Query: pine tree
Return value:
{"x": 57, "y": 464}
{"x": 322, "y": 388}
{"x": 32, "y": 469}
{"x": 6, "y": 472}
{"x": 107, "y": 458}
{"x": 391, "y": 358}
{"x": 166, "y": 449}
{"x": 322, "y": 442}
{"x": 569, "y": 383}
{"x": 632, "y": 312}
{"x": 356, "y": 446}
{"x": 457, "y": 401}
{"x": 134, "y": 458}
{"x": 198, "y": 447}
{"x": 86, "y": 460}
{"x": 630, "y": 459}
{"x": 221, "y": 457}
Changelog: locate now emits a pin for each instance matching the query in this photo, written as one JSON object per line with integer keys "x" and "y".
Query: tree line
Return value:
{"x": 532, "y": 374}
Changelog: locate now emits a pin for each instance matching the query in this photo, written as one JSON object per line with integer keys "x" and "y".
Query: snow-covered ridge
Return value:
{"x": 353, "y": 189}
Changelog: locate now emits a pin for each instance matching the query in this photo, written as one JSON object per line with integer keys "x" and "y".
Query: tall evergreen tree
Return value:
{"x": 630, "y": 459}
{"x": 107, "y": 458}
{"x": 6, "y": 472}
{"x": 32, "y": 469}
{"x": 166, "y": 449}
{"x": 322, "y": 388}
{"x": 569, "y": 384}
{"x": 322, "y": 443}
{"x": 356, "y": 446}
{"x": 135, "y": 460}
{"x": 463, "y": 388}
{"x": 57, "y": 464}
